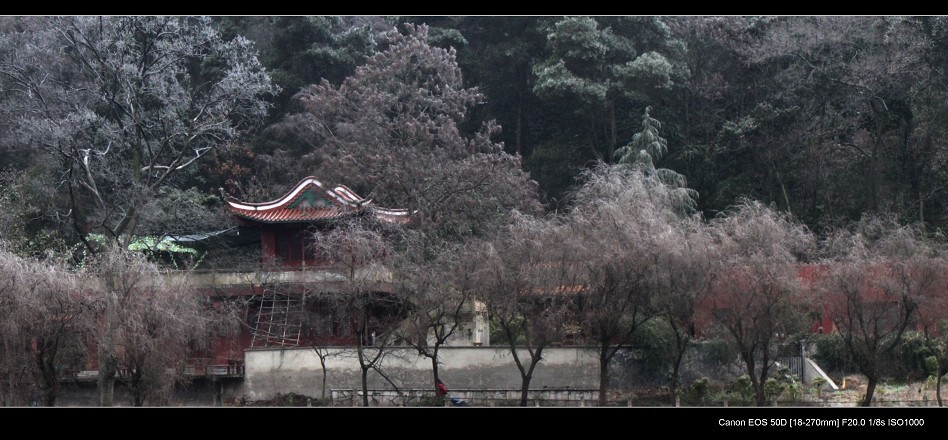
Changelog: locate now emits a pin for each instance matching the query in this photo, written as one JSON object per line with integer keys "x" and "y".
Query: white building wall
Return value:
{"x": 297, "y": 370}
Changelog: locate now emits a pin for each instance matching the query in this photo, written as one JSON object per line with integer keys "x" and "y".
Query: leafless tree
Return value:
{"x": 882, "y": 275}
{"x": 936, "y": 341}
{"x": 529, "y": 279}
{"x": 324, "y": 352}
{"x": 619, "y": 221}
{"x": 149, "y": 320}
{"x": 128, "y": 105}
{"x": 756, "y": 293}
{"x": 57, "y": 312}
{"x": 933, "y": 318}
{"x": 14, "y": 276}
{"x": 361, "y": 245}
{"x": 45, "y": 312}
{"x": 686, "y": 265}
{"x": 437, "y": 288}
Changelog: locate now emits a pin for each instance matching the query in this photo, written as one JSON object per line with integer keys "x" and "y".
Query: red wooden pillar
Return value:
{"x": 268, "y": 246}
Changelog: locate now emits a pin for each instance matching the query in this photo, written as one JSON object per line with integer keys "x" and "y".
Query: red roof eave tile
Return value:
{"x": 344, "y": 202}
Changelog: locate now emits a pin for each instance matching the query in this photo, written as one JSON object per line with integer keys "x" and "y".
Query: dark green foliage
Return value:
{"x": 654, "y": 341}
{"x": 783, "y": 385}
{"x": 299, "y": 51}
{"x": 911, "y": 357}
{"x": 556, "y": 168}
{"x": 909, "y": 360}
{"x": 499, "y": 337}
{"x": 428, "y": 401}
{"x": 721, "y": 352}
{"x": 832, "y": 355}
{"x": 699, "y": 391}
{"x": 740, "y": 392}
{"x": 288, "y": 399}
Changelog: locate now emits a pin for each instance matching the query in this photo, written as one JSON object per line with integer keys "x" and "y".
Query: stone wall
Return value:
{"x": 482, "y": 375}
{"x": 269, "y": 372}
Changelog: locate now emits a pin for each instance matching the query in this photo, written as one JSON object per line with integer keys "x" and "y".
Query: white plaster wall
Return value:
{"x": 297, "y": 370}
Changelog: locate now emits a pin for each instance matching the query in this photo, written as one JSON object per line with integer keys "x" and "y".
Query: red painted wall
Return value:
{"x": 268, "y": 246}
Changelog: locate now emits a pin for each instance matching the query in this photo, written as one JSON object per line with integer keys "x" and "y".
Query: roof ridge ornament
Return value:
{"x": 298, "y": 206}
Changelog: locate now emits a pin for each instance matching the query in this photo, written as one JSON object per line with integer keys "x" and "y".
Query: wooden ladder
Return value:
{"x": 279, "y": 321}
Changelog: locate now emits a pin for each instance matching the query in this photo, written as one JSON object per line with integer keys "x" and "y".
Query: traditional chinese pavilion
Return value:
{"x": 283, "y": 223}
{"x": 280, "y": 293}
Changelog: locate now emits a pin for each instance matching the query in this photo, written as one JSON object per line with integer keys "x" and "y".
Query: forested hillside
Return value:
{"x": 825, "y": 117}
{"x": 601, "y": 180}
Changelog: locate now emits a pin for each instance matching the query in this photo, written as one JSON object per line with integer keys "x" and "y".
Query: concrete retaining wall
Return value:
{"x": 297, "y": 370}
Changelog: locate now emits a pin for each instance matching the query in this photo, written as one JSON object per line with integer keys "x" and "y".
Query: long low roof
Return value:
{"x": 310, "y": 201}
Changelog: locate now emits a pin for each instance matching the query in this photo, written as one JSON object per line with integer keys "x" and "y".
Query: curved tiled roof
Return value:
{"x": 310, "y": 201}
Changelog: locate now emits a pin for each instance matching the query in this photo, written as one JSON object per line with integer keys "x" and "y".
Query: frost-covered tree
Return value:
{"x": 128, "y": 106}
{"x": 880, "y": 278}
{"x": 647, "y": 147}
{"x": 756, "y": 293}
{"x": 394, "y": 132}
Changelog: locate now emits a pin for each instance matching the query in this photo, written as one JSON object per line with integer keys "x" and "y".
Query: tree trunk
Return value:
{"x": 49, "y": 397}
{"x": 49, "y": 386}
{"x": 675, "y": 378}
{"x": 106, "y": 381}
{"x": 365, "y": 386}
{"x": 49, "y": 376}
{"x": 870, "y": 389}
{"x": 910, "y": 158}
{"x": 592, "y": 139}
{"x": 138, "y": 398}
{"x": 759, "y": 392}
{"x": 786, "y": 197}
{"x": 360, "y": 349}
{"x": 612, "y": 125}
{"x": 434, "y": 370}
{"x": 108, "y": 364}
{"x": 603, "y": 375}
{"x": 759, "y": 396}
{"x": 519, "y": 132}
{"x": 526, "y": 378}
{"x": 322, "y": 363}
{"x": 918, "y": 181}
{"x": 764, "y": 373}
{"x": 938, "y": 388}
{"x": 135, "y": 385}
{"x": 525, "y": 389}
{"x": 874, "y": 162}
{"x": 11, "y": 378}
{"x": 681, "y": 344}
